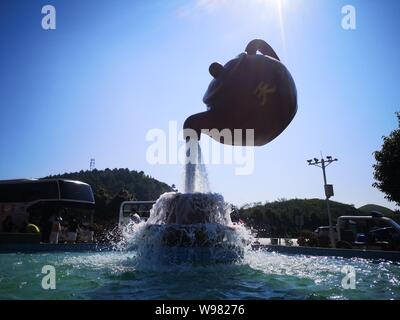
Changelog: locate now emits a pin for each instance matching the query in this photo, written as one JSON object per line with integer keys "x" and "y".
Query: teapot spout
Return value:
{"x": 216, "y": 124}
{"x": 194, "y": 124}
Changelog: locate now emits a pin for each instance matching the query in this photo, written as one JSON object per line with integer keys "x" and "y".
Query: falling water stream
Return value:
{"x": 196, "y": 177}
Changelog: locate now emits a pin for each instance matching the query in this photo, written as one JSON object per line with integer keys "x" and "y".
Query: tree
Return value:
{"x": 112, "y": 186}
{"x": 387, "y": 167}
{"x": 102, "y": 200}
{"x": 121, "y": 196}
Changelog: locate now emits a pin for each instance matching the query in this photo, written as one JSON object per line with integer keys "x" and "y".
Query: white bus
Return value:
{"x": 129, "y": 208}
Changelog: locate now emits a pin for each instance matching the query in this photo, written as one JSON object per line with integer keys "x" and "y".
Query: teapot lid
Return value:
{"x": 223, "y": 75}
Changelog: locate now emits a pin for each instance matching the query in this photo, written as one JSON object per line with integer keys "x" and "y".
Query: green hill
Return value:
{"x": 374, "y": 207}
{"x": 278, "y": 219}
{"x": 111, "y": 187}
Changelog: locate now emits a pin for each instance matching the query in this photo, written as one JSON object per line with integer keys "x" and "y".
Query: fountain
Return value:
{"x": 250, "y": 92}
{"x": 194, "y": 226}
{"x": 188, "y": 227}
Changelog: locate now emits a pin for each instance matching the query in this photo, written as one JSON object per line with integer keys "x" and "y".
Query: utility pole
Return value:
{"x": 323, "y": 163}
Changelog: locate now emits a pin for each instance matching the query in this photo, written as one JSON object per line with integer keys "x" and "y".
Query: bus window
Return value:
{"x": 39, "y": 190}
{"x": 127, "y": 210}
{"x": 28, "y": 191}
{"x": 10, "y": 192}
{"x": 72, "y": 190}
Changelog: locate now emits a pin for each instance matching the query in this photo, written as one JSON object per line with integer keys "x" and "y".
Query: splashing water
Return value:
{"x": 187, "y": 228}
{"x": 190, "y": 208}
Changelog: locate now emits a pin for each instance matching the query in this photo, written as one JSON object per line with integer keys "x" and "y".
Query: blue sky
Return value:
{"x": 113, "y": 70}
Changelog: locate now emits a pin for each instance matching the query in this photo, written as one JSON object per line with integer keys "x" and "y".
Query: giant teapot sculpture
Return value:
{"x": 252, "y": 91}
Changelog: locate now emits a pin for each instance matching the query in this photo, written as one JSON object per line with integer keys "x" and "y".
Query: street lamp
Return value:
{"x": 323, "y": 163}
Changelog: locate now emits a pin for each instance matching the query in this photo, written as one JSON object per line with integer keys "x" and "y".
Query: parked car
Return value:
{"x": 373, "y": 232}
{"x": 322, "y": 234}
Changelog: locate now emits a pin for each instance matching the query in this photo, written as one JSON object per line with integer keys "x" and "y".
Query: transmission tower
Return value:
{"x": 92, "y": 164}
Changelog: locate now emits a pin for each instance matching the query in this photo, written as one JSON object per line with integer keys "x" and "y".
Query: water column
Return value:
{"x": 196, "y": 178}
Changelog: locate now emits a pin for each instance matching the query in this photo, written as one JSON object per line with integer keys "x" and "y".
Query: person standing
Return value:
{"x": 72, "y": 231}
{"x": 55, "y": 230}
{"x": 7, "y": 224}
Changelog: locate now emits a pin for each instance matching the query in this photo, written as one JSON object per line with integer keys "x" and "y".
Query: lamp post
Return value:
{"x": 323, "y": 163}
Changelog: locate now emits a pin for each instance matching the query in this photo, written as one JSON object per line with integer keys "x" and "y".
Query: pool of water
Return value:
{"x": 260, "y": 275}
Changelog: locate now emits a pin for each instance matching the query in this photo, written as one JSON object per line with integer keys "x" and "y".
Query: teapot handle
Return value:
{"x": 260, "y": 45}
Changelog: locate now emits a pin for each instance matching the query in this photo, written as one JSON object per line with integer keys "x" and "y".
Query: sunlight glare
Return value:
{"x": 279, "y": 7}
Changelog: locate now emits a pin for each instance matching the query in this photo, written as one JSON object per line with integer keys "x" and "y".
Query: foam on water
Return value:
{"x": 187, "y": 228}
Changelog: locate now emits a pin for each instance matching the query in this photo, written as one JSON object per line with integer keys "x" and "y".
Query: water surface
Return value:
{"x": 261, "y": 275}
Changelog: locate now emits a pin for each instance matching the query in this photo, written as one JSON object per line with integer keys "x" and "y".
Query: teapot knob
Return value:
{"x": 215, "y": 69}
